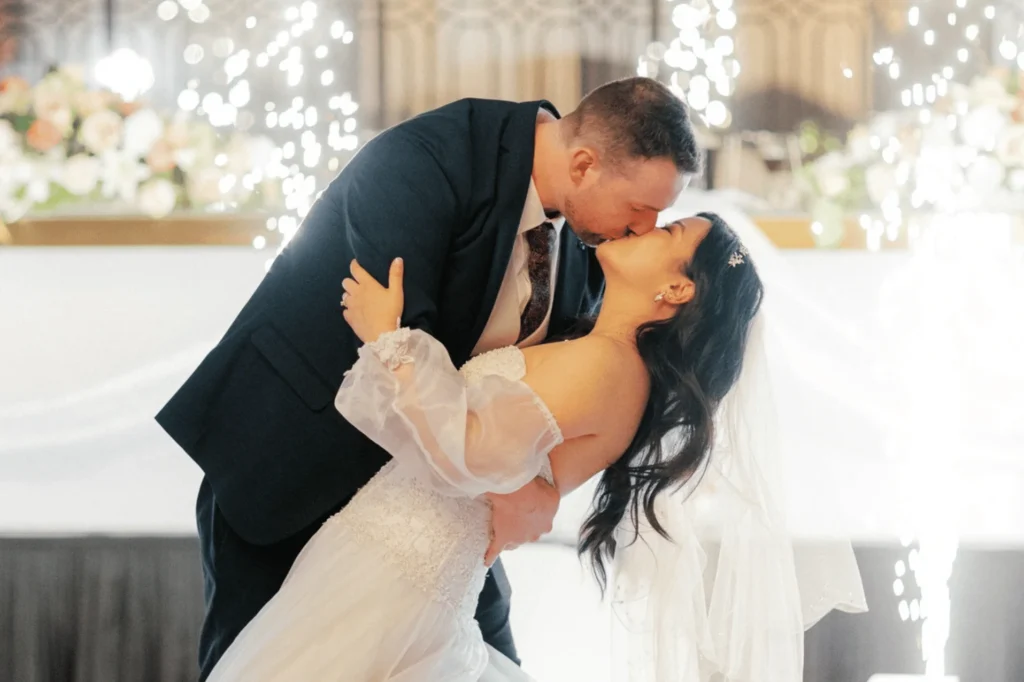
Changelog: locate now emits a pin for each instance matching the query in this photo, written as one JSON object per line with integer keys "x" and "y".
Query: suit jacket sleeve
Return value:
{"x": 397, "y": 200}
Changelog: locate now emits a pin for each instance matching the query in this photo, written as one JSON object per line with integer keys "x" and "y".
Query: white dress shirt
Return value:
{"x": 502, "y": 327}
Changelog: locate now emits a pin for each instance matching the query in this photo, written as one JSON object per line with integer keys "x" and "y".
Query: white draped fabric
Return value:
{"x": 94, "y": 340}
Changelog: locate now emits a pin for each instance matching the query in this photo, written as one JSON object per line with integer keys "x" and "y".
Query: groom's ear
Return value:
{"x": 582, "y": 162}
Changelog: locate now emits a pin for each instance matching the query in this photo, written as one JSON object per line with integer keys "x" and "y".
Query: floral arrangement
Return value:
{"x": 63, "y": 143}
{"x": 964, "y": 152}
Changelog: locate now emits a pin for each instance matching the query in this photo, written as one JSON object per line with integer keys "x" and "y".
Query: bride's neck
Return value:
{"x": 619, "y": 319}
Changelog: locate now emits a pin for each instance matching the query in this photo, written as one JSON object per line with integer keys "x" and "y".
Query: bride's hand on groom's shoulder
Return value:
{"x": 370, "y": 308}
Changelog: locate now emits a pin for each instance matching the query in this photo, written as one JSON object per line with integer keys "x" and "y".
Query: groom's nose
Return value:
{"x": 644, "y": 225}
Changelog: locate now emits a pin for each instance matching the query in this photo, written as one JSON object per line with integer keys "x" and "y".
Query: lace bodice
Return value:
{"x": 434, "y": 535}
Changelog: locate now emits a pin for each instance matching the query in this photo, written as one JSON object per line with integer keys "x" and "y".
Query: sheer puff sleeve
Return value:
{"x": 490, "y": 434}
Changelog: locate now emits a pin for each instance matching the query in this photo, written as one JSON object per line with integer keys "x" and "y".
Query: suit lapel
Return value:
{"x": 515, "y": 163}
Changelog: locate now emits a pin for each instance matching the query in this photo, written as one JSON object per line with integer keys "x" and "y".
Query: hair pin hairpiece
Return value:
{"x": 737, "y": 258}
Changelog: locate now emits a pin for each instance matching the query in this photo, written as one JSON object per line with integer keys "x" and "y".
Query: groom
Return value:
{"x": 472, "y": 196}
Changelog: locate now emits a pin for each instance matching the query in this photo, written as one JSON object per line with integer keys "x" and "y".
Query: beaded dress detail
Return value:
{"x": 388, "y": 587}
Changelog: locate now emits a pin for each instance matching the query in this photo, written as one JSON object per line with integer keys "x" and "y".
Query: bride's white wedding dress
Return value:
{"x": 387, "y": 588}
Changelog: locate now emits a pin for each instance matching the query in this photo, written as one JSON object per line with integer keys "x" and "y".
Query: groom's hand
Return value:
{"x": 521, "y": 517}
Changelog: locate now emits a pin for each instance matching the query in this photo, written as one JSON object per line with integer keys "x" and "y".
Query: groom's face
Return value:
{"x": 611, "y": 201}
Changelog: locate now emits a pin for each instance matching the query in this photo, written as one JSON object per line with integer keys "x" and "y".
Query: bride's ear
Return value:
{"x": 680, "y": 292}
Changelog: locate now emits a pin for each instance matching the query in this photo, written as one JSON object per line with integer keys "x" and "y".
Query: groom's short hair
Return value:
{"x": 637, "y": 118}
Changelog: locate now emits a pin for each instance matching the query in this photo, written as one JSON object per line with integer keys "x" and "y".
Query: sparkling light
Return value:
{"x": 199, "y": 14}
{"x": 698, "y": 62}
{"x": 188, "y": 100}
{"x": 193, "y": 54}
{"x": 1008, "y": 49}
{"x": 167, "y": 10}
{"x": 125, "y": 73}
{"x": 263, "y": 78}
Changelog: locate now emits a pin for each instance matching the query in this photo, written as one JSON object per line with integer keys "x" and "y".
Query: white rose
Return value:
{"x": 88, "y": 103}
{"x": 858, "y": 143}
{"x": 981, "y": 127}
{"x": 10, "y": 143}
{"x": 101, "y": 132}
{"x": 833, "y": 185}
{"x": 14, "y": 210}
{"x": 1017, "y": 181}
{"x": 80, "y": 174}
{"x": 986, "y": 91}
{"x": 121, "y": 175}
{"x": 50, "y": 98}
{"x": 985, "y": 175}
{"x": 880, "y": 180}
{"x": 73, "y": 74}
{"x": 141, "y": 130}
{"x": 157, "y": 198}
{"x": 16, "y": 96}
{"x": 38, "y": 188}
{"x": 937, "y": 134}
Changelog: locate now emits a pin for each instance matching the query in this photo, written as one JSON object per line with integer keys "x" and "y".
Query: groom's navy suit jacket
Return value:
{"x": 445, "y": 191}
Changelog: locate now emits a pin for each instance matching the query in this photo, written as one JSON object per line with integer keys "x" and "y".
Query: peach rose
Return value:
{"x": 89, "y": 102}
{"x": 1018, "y": 110}
{"x": 51, "y": 97}
{"x": 101, "y": 132}
{"x": 15, "y": 95}
{"x": 161, "y": 157}
{"x": 43, "y": 135}
{"x": 14, "y": 84}
{"x": 128, "y": 108}
{"x": 177, "y": 134}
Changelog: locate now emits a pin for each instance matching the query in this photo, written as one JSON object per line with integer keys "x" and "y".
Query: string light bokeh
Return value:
{"x": 952, "y": 140}
{"x": 943, "y": 43}
{"x": 699, "y": 63}
{"x": 280, "y": 74}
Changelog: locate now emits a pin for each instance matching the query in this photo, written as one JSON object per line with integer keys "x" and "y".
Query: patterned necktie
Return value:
{"x": 541, "y": 241}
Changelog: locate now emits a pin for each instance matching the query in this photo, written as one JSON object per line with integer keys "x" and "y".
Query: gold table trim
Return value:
{"x": 786, "y": 232}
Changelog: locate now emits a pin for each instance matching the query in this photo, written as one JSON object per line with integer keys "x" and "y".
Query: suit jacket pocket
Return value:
{"x": 290, "y": 365}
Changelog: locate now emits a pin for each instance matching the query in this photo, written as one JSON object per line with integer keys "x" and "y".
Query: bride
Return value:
{"x": 387, "y": 588}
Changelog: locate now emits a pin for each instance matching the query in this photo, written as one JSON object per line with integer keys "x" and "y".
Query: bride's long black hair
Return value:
{"x": 693, "y": 359}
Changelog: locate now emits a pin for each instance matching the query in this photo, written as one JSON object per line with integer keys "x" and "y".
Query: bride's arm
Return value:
{"x": 404, "y": 393}
{"x": 489, "y": 436}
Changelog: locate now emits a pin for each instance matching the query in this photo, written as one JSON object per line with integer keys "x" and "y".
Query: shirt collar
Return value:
{"x": 533, "y": 212}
